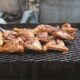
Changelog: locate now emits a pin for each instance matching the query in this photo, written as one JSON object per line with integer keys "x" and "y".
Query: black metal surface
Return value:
{"x": 44, "y": 70}
{"x": 73, "y": 55}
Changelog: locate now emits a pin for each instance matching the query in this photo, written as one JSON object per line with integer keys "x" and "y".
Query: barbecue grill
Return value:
{"x": 21, "y": 65}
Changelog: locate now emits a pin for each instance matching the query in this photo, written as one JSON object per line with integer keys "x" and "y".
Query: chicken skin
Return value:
{"x": 44, "y": 28}
{"x": 55, "y": 45}
{"x": 1, "y": 39}
{"x": 43, "y": 37}
{"x": 63, "y": 35}
{"x": 67, "y": 28}
{"x": 30, "y": 42}
{"x": 12, "y": 46}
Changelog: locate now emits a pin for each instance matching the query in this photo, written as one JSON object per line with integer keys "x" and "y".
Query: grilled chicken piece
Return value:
{"x": 21, "y": 32}
{"x": 33, "y": 45}
{"x": 12, "y": 46}
{"x": 1, "y": 39}
{"x": 44, "y": 28}
{"x": 43, "y": 37}
{"x": 66, "y": 32}
{"x": 63, "y": 35}
{"x": 8, "y": 34}
{"x": 67, "y": 28}
{"x": 11, "y": 43}
{"x": 55, "y": 45}
{"x": 30, "y": 42}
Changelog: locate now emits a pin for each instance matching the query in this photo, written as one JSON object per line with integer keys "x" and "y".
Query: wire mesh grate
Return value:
{"x": 73, "y": 55}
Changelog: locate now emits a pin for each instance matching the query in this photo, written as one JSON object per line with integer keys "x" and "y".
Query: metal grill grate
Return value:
{"x": 73, "y": 55}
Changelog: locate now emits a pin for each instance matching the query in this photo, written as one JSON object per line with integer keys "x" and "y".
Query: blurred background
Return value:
{"x": 19, "y": 11}
{"x": 39, "y": 11}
